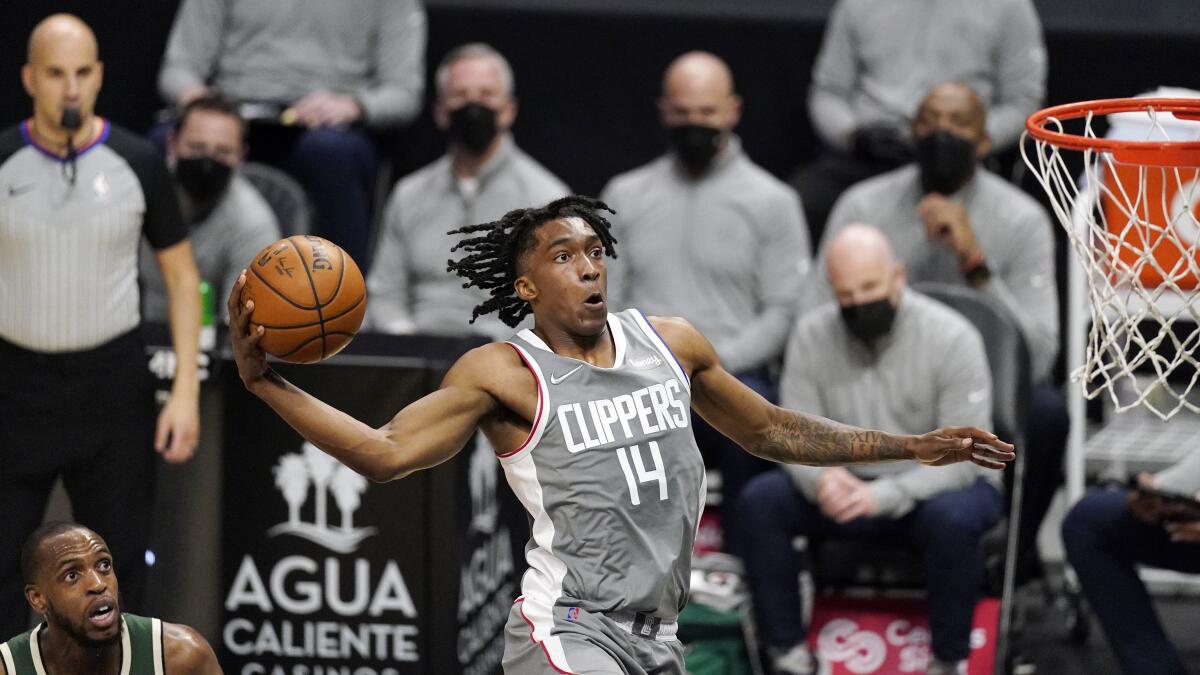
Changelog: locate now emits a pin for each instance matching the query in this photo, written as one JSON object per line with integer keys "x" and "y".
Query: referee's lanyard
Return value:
{"x": 71, "y": 121}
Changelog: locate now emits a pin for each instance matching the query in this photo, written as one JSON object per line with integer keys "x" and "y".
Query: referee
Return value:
{"x": 76, "y": 195}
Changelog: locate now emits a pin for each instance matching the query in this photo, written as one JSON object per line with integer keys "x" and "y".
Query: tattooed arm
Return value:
{"x": 796, "y": 438}
{"x": 792, "y": 437}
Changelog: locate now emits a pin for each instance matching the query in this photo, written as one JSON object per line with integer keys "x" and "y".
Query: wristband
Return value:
{"x": 977, "y": 274}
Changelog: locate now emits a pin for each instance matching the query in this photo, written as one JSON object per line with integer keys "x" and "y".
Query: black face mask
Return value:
{"x": 203, "y": 178}
{"x": 473, "y": 126}
{"x": 947, "y": 161}
{"x": 871, "y": 320}
{"x": 696, "y": 145}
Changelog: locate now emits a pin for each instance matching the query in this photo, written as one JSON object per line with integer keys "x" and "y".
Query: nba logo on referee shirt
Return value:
{"x": 572, "y": 614}
{"x": 100, "y": 185}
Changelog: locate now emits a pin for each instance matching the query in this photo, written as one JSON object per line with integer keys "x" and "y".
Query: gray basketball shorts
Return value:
{"x": 585, "y": 643}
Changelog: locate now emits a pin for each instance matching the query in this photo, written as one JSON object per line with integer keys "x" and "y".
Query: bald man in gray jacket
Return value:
{"x": 951, "y": 221}
{"x": 887, "y": 356}
{"x": 710, "y": 236}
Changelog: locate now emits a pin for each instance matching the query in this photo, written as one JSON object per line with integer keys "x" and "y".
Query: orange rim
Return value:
{"x": 1152, "y": 153}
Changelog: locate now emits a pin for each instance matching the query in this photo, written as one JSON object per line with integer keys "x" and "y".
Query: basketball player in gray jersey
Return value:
{"x": 588, "y": 413}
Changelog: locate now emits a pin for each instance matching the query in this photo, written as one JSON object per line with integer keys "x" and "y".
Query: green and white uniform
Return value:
{"x": 141, "y": 649}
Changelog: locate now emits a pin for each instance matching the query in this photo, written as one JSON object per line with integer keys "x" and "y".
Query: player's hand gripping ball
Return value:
{"x": 308, "y": 295}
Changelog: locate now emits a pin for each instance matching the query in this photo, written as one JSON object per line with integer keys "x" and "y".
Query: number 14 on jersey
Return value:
{"x": 631, "y": 461}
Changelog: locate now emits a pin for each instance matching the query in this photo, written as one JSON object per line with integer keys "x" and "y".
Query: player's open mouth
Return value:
{"x": 595, "y": 300}
{"x": 103, "y": 615}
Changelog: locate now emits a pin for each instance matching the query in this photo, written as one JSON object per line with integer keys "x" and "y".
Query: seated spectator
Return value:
{"x": 1110, "y": 533}
{"x": 878, "y": 59}
{"x": 482, "y": 176}
{"x": 228, "y": 220}
{"x": 889, "y": 358}
{"x": 952, "y": 221}
{"x": 708, "y": 235}
{"x": 313, "y": 78}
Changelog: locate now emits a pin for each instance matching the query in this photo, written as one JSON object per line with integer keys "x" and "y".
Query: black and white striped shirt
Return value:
{"x": 68, "y": 250}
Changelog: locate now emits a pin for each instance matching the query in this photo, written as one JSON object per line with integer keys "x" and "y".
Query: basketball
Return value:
{"x": 308, "y": 295}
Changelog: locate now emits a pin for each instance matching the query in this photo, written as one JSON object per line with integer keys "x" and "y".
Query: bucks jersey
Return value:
{"x": 612, "y": 478}
{"x": 141, "y": 649}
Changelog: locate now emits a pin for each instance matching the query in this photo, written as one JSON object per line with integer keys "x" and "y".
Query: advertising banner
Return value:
{"x": 326, "y": 573}
{"x": 890, "y": 636}
{"x": 323, "y": 571}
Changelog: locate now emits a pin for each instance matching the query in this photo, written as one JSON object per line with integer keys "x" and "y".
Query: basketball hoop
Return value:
{"x": 1134, "y": 224}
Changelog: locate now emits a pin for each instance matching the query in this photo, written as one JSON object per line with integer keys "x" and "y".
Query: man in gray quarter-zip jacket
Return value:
{"x": 878, "y": 59}
{"x": 711, "y": 237}
{"x": 887, "y": 356}
{"x": 226, "y": 216}
{"x": 482, "y": 176}
{"x": 951, "y": 221}
{"x": 313, "y": 78}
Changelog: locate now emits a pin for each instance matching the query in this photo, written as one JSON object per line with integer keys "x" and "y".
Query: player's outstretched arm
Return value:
{"x": 187, "y": 652}
{"x": 424, "y": 434}
{"x": 793, "y": 437}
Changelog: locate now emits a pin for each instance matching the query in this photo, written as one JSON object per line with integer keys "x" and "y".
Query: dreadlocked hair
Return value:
{"x": 496, "y": 247}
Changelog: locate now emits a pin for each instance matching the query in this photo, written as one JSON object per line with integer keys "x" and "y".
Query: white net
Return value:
{"x": 1134, "y": 229}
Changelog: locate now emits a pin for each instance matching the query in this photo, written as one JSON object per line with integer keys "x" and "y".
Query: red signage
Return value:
{"x": 890, "y": 636}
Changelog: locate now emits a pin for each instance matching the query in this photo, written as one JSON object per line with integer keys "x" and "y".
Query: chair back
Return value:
{"x": 284, "y": 195}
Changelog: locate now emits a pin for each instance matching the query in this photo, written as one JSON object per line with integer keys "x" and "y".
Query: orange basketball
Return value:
{"x": 308, "y": 295}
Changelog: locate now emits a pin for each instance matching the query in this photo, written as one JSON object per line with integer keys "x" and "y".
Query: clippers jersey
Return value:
{"x": 611, "y": 477}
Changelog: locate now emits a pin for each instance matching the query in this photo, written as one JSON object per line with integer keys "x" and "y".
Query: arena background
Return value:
{"x": 587, "y": 75}
{"x": 588, "y": 70}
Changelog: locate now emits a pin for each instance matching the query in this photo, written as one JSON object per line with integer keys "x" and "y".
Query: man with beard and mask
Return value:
{"x": 71, "y": 582}
{"x": 878, "y": 59}
{"x": 227, "y": 218}
{"x": 887, "y": 357}
{"x": 482, "y": 176}
{"x": 77, "y": 194}
{"x": 714, "y": 238}
{"x": 952, "y": 221}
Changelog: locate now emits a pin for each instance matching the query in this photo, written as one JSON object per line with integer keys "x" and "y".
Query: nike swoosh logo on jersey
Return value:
{"x": 555, "y": 379}
{"x": 14, "y": 190}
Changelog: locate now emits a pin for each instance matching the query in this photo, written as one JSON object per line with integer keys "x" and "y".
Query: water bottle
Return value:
{"x": 208, "y": 327}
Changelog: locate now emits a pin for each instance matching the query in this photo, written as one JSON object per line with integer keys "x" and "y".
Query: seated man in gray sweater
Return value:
{"x": 878, "y": 59}
{"x": 889, "y": 357}
{"x": 712, "y": 237}
{"x": 1110, "y": 533}
{"x": 228, "y": 220}
{"x": 314, "y": 78}
{"x": 952, "y": 221}
{"x": 482, "y": 176}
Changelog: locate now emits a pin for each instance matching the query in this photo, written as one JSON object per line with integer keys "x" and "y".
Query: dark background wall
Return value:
{"x": 588, "y": 70}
